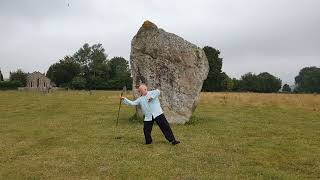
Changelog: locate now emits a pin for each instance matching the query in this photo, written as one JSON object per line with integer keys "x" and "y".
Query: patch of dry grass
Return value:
{"x": 299, "y": 101}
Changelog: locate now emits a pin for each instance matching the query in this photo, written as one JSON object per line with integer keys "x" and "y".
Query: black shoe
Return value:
{"x": 175, "y": 142}
{"x": 148, "y": 142}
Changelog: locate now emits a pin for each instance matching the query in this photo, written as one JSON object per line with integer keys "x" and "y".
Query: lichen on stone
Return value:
{"x": 148, "y": 25}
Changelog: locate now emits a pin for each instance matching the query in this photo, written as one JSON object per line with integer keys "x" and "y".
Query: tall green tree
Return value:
{"x": 20, "y": 76}
{"x": 120, "y": 73}
{"x": 94, "y": 65}
{"x": 308, "y": 80}
{"x": 119, "y": 67}
{"x": 62, "y": 72}
{"x": 215, "y": 76}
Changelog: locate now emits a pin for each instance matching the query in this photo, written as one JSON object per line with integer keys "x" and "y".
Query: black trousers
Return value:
{"x": 164, "y": 126}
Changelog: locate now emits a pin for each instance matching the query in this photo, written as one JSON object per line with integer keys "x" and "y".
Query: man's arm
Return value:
{"x": 155, "y": 93}
{"x": 131, "y": 103}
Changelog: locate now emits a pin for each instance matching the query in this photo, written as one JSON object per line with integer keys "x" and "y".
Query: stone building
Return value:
{"x": 38, "y": 81}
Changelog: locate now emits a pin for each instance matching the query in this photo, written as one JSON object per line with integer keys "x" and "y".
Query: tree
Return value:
{"x": 226, "y": 83}
{"x": 308, "y": 80}
{"x": 215, "y": 77}
{"x": 20, "y": 76}
{"x": 89, "y": 68}
{"x": 93, "y": 63}
{"x": 119, "y": 67}
{"x": 63, "y": 72}
{"x": 236, "y": 84}
{"x": 263, "y": 82}
{"x": 120, "y": 72}
{"x": 267, "y": 83}
{"x": 1, "y": 76}
{"x": 286, "y": 88}
{"x": 248, "y": 82}
{"x": 78, "y": 82}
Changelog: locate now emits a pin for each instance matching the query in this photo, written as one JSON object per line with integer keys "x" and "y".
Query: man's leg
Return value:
{"x": 165, "y": 127}
{"x": 147, "y": 128}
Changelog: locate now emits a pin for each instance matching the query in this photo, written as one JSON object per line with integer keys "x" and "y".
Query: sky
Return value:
{"x": 275, "y": 36}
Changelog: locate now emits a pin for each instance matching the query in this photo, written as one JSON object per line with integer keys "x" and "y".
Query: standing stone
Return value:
{"x": 173, "y": 65}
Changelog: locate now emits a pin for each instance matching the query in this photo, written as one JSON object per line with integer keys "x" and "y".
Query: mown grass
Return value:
{"x": 71, "y": 135}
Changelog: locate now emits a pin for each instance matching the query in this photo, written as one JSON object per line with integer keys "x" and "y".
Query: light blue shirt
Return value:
{"x": 149, "y": 109}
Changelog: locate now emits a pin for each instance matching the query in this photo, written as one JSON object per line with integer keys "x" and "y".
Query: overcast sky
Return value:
{"x": 277, "y": 36}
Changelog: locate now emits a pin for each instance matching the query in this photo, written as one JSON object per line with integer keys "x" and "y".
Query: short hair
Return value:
{"x": 138, "y": 85}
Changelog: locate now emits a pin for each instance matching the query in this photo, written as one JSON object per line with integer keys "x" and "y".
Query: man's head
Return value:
{"x": 142, "y": 89}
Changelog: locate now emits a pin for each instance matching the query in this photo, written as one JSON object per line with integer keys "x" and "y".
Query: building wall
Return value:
{"x": 38, "y": 81}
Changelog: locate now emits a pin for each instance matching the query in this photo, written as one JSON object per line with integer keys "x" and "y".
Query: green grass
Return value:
{"x": 71, "y": 135}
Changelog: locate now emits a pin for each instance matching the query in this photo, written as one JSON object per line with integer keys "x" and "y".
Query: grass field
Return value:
{"x": 71, "y": 135}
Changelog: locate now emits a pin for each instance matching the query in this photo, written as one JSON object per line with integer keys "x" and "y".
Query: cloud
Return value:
{"x": 279, "y": 37}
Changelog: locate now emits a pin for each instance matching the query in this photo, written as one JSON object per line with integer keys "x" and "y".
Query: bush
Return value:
{"x": 286, "y": 88}
{"x": 19, "y": 75}
{"x": 263, "y": 82}
{"x": 6, "y": 85}
{"x": 78, "y": 82}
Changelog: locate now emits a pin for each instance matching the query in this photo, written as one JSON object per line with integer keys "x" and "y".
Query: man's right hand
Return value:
{"x": 121, "y": 97}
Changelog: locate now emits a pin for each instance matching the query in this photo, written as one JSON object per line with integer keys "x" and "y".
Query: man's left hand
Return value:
{"x": 149, "y": 98}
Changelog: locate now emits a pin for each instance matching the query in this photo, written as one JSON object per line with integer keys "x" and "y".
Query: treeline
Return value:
{"x": 16, "y": 79}
{"x": 263, "y": 82}
{"x": 89, "y": 68}
{"x": 220, "y": 81}
{"x": 308, "y": 80}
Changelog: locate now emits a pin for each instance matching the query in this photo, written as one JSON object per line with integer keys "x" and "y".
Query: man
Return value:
{"x": 152, "y": 110}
